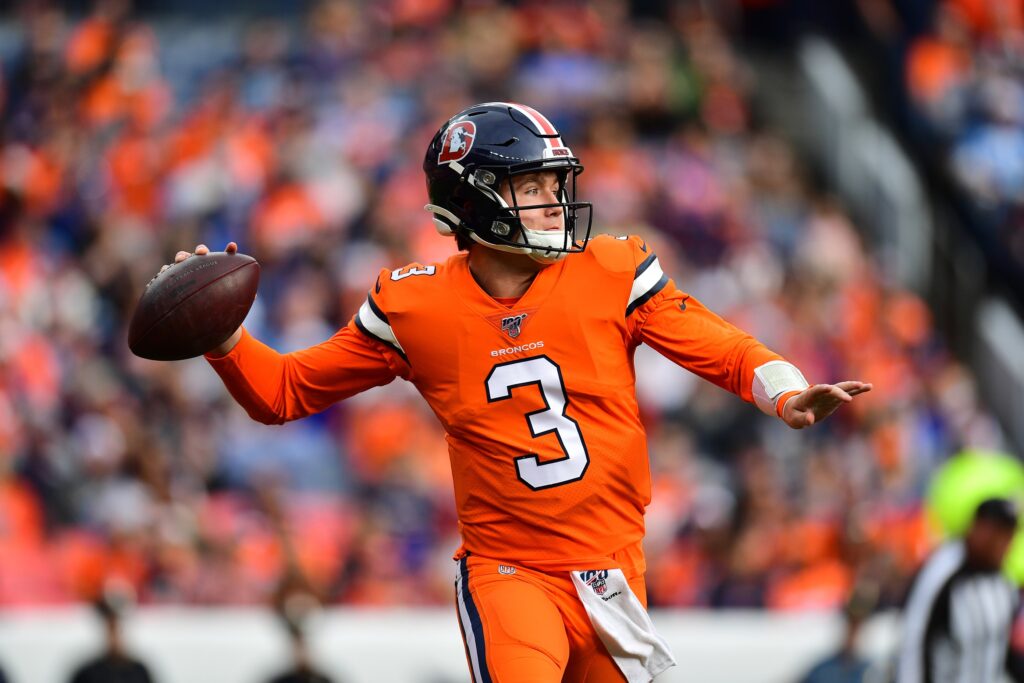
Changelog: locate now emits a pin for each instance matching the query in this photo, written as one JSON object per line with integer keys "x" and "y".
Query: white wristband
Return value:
{"x": 773, "y": 379}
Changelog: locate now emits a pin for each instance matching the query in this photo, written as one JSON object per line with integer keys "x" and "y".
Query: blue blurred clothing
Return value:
{"x": 839, "y": 668}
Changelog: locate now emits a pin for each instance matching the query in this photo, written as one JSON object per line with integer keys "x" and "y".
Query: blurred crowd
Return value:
{"x": 124, "y": 139}
{"x": 964, "y": 74}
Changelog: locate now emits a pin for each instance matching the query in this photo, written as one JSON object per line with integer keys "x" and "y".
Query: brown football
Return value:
{"x": 193, "y": 306}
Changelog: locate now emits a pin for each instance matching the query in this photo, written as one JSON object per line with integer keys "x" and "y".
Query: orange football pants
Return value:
{"x": 525, "y": 626}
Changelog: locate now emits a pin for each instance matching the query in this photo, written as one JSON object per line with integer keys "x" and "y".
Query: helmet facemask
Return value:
{"x": 499, "y": 224}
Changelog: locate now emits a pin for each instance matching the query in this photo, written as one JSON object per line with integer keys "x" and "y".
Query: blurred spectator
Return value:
{"x": 295, "y": 603}
{"x": 962, "y": 76}
{"x": 301, "y": 669}
{"x": 114, "y": 664}
{"x": 846, "y": 666}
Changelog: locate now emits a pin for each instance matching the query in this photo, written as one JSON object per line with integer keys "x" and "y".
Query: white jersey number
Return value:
{"x": 543, "y": 372}
{"x": 400, "y": 274}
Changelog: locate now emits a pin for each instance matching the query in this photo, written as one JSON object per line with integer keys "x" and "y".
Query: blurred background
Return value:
{"x": 844, "y": 179}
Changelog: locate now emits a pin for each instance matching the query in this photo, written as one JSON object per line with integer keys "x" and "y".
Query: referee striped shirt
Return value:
{"x": 957, "y": 622}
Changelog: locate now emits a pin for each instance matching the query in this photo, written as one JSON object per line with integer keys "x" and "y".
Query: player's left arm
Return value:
{"x": 686, "y": 332}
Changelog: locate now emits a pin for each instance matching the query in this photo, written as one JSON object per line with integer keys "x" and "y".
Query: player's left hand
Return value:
{"x": 818, "y": 401}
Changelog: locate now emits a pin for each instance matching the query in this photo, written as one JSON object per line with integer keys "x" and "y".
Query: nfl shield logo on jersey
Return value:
{"x": 512, "y": 325}
{"x": 596, "y": 580}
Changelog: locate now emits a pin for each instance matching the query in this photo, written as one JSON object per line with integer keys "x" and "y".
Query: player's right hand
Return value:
{"x": 203, "y": 250}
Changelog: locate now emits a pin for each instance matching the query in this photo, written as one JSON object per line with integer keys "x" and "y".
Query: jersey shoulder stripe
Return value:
{"x": 648, "y": 280}
{"x": 372, "y": 322}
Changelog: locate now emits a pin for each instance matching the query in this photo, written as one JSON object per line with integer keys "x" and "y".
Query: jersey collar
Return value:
{"x": 483, "y": 303}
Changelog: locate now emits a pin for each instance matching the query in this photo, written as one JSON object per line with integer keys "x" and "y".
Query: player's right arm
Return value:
{"x": 275, "y": 388}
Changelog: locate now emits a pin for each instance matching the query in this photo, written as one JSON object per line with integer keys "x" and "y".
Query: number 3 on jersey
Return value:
{"x": 543, "y": 372}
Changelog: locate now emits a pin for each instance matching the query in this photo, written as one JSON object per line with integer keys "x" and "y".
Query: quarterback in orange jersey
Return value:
{"x": 522, "y": 344}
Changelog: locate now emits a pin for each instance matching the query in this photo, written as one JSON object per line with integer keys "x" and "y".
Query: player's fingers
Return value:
{"x": 808, "y": 394}
{"x": 162, "y": 269}
{"x": 853, "y": 387}
{"x": 815, "y": 394}
{"x": 822, "y": 389}
{"x": 181, "y": 256}
{"x": 840, "y": 394}
{"x": 231, "y": 248}
{"x": 202, "y": 250}
{"x": 833, "y": 395}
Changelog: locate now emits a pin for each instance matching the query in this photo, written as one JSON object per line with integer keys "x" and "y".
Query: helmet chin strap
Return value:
{"x": 541, "y": 254}
{"x": 544, "y": 242}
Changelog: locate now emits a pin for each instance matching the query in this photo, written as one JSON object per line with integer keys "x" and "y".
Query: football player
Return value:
{"x": 522, "y": 344}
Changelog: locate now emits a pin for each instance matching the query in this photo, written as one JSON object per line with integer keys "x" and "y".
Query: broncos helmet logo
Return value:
{"x": 458, "y": 140}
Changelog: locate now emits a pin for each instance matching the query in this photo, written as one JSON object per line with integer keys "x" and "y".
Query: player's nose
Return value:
{"x": 554, "y": 210}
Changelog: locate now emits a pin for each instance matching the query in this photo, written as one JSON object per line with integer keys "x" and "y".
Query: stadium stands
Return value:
{"x": 124, "y": 138}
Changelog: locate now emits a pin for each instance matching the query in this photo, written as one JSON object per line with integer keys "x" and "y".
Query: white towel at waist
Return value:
{"x": 623, "y": 624}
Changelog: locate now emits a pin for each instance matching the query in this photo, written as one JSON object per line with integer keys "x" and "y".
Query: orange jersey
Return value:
{"x": 548, "y": 454}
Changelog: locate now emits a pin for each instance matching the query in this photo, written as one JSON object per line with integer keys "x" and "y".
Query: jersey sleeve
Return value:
{"x": 275, "y": 388}
{"x": 686, "y": 332}
{"x": 373, "y": 322}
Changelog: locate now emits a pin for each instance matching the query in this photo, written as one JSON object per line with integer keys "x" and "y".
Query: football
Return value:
{"x": 193, "y": 306}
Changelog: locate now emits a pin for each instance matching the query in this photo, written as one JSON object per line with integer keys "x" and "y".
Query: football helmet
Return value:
{"x": 476, "y": 153}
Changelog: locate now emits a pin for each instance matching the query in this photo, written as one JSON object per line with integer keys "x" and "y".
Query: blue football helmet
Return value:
{"x": 476, "y": 153}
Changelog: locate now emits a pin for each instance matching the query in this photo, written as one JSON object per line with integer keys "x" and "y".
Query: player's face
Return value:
{"x": 537, "y": 188}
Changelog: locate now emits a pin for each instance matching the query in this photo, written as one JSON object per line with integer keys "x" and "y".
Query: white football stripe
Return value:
{"x": 467, "y": 628}
{"x": 646, "y": 281}
{"x": 534, "y": 117}
{"x": 377, "y": 327}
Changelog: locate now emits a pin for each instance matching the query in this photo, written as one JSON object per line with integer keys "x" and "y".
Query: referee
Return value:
{"x": 961, "y": 607}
